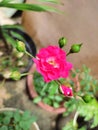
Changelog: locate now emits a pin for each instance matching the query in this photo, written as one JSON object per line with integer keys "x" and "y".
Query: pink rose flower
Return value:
{"x": 67, "y": 91}
{"x": 51, "y": 63}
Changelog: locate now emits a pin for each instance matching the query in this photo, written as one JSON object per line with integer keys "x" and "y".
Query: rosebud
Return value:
{"x": 20, "y": 46}
{"x": 15, "y": 75}
{"x": 75, "y": 48}
{"x": 6, "y": 74}
{"x": 62, "y": 42}
{"x": 87, "y": 98}
{"x": 67, "y": 91}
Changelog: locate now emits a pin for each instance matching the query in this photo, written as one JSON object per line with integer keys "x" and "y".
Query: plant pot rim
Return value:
{"x": 14, "y": 109}
{"x": 32, "y": 93}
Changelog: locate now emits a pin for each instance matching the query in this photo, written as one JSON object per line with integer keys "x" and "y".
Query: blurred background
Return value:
{"x": 78, "y": 23}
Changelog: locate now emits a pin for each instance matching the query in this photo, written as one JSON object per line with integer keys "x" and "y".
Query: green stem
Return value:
{"x": 58, "y": 82}
{"x": 29, "y": 54}
{"x": 75, "y": 119}
{"x": 24, "y": 74}
{"x": 68, "y": 53}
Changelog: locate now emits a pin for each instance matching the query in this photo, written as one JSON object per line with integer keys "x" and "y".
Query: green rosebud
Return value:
{"x": 20, "y": 46}
{"x": 62, "y": 42}
{"x": 87, "y": 98}
{"x": 75, "y": 48}
{"x": 15, "y": 75}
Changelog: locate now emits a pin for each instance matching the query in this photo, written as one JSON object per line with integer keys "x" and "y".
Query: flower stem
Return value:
{"x": 29, "y": 54}
{"x": 68, "y": 53}
{"x": 75, "y": 119}
{"x": 24, "y": 74}
{"x": 58, "y": 82}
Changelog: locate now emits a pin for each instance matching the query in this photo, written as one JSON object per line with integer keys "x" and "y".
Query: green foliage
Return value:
{"x": 89, "y": 111}
{"x": 71, "y": 106}
{"x": 14, "y": 120}
{"x": 88, "y": 84}
{"x": 48, "y": 92}
{"x": 6, "y": 1}
{"x": 10, "y": 34}
{"x": 84, "y": 102}
{"x": 69, "y": 126}
{"x": 11, "y": 58}
{"x": 37, "y": 99}
{"x": 82, "y": 128}
{"x": 52, "y": 1}
{"x": 30, "y": 7}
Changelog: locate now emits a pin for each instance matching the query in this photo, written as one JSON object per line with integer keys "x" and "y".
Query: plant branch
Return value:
{"x": 75, "y": 119}
{"x": 29, "y": 54}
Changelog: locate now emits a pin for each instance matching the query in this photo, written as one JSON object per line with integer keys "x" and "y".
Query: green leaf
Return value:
{"x": 58, "y": 98}
{"x": 4, "y": 128}
{"x": 37, "y": 99}
{"x": 56, "y": 105}
{"x": 53, "y": 88}
{"x": 83, "y": 128}
{"x": 89, "y": 116}
{"x": 9, "y": 113}
{"x": 51, "y": 1}
{"x": 17, "y": 35}
{"x": 17, "y": 116}
{"x": 26, "y": 115}
{"x": 10, "y": 40}
{"x": 17, "y": 127}
{"x": 25, "y": 125}
{"x": 46, "y": 100}
{"x": 22, "y": 124}
{"x": 12, "y": 26}
{"x": 70, "y": 105}
{"x": 6, "y": 120}
{"x": 26, "y": 120}
{"x": 30, "y": 7}
{"x": 89, "y": 111}
{"x": 6, "y": 1}
{"x": 95, "y": 121}
{"x": 69, "y": 126}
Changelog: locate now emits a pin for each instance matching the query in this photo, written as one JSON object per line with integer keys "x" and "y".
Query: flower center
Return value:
{"x": 51, "y": 61}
